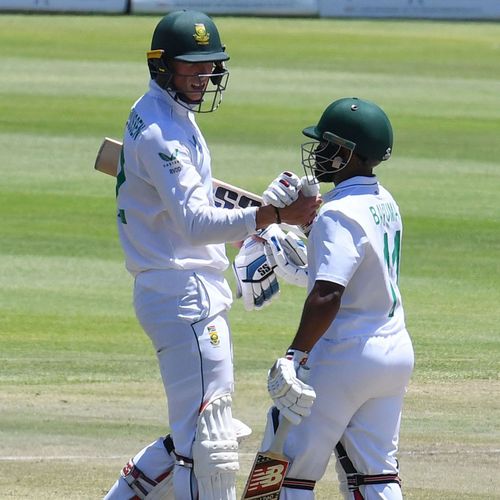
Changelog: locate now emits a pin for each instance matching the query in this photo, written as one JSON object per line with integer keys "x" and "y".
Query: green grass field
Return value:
{"x": 79, "y": 387}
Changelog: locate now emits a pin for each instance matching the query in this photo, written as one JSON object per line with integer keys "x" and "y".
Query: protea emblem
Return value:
{"x": 200, "y": 34}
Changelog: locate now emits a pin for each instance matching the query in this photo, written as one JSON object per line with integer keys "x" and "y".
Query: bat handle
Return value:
{"x": 280, "y": 436}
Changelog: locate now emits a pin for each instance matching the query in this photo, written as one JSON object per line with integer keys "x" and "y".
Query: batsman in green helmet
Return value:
{"x": 352, "y": 339}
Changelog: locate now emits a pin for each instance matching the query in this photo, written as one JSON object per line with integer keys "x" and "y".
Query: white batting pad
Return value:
{"x": 241, "y": 430}
{"x": 215, "y": 451}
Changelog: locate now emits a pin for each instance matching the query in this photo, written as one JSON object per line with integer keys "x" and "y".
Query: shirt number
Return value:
{"x": 392, "y": 262}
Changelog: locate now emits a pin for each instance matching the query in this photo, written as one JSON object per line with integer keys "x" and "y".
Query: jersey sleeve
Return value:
{"x": 338, "y": 247}
{"x": 170, "y": 169}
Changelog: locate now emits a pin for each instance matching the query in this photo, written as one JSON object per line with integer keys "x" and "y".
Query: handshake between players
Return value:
{"x": 263, "y": 259}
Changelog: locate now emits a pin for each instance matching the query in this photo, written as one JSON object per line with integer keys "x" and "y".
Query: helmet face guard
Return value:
{"x": 163, "y": 73}
{"x": 322, "y": 158}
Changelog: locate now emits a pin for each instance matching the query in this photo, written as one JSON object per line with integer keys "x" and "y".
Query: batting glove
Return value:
{"x": 287, "y": 253}
{"x": 309, "y": 187}
{"x": 283, "y": 190}
{"x": 290, "y": 395}
{"x": 256, "y": 281}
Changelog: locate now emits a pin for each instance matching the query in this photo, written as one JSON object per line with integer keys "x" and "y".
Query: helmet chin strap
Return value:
{"x": 184, "y": 98}
{"x": 184, "y": 101}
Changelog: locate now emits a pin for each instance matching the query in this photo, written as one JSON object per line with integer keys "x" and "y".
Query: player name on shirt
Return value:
{"x": 384, "y": 213}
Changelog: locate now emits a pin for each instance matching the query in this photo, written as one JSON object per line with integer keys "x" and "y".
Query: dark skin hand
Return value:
{"x": 320, "y": 308}
{"x": 301, "y": 211}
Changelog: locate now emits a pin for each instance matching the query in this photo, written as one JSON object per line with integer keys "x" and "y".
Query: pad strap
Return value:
{"x": 355, "y": 479}
{"x": 181, "y": 461}
{"x": 133, "y": 476}
{"x": 168, "y": 442}
{"x": 298, "y": 484}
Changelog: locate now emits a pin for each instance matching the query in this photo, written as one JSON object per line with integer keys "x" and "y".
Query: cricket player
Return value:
{"x": 352, "y": 332}
{"x": 173, "y": 237}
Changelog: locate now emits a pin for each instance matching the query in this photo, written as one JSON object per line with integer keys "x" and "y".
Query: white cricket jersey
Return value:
{"x": 166, "y": 213}
{"x": 356, "y": 242}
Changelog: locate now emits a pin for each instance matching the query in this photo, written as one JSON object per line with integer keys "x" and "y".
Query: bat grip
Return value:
{"x": 280, "y": 436}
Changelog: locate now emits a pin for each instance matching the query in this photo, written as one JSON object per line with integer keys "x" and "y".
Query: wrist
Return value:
{"x": 265, "y": 216}
{"x": 298, "y": 357}
{"x": 278, "y": 215}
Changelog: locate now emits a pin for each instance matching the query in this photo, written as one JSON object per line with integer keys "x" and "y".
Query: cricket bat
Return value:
{"x": 226, "y": 195}
{"x": 269, "y": 468}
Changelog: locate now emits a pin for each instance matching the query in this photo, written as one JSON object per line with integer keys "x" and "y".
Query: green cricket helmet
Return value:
{"x": 352, "y": 125}
{"x": 191, "y": 37}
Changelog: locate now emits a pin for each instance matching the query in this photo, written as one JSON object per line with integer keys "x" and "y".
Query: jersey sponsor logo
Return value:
{"x": 200, "y": 34}
{"x": 171, "y": 162}
{"x": 169, "y": 158}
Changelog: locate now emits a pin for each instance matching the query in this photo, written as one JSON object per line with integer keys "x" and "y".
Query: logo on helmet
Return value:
{"x": 387, "y": 154}
{"x": 200, "y": 34}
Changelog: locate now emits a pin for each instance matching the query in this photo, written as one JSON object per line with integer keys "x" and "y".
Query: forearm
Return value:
{"x": 267, "y": 215}
{"x": 209, "y": 225}
{"x": 320, "y": 309}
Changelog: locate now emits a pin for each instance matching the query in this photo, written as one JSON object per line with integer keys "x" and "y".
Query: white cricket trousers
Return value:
{"x": 360, "y": 384}
{"x": 184, "y": 315}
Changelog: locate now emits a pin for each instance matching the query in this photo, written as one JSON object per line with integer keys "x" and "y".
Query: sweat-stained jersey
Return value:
{"x": 166, "y": 213}
{"x": 356, "y": 242}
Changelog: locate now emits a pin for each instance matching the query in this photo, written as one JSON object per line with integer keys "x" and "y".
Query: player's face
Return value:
{"x": 325, "y": 153}
{"x": 324, "y": 159}
{"x": 191, "y": 79}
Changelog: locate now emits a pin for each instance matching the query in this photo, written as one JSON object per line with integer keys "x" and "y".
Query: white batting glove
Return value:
{"x": 288, "y": 253}
{"x": 283, "y": 190}
{"x": 309, "y": 187}
{"x": 291, "y": 396}
{"x": 256, "y": 281}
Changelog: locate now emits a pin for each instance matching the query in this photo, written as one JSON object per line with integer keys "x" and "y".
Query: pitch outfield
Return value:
{"x": 79, "y": 386}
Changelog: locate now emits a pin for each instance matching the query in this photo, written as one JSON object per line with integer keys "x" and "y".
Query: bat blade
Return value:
{"x": 225, "y": 195}
{"x": 108, "y": 156}
{"x": 269, "y": 469}
{"x": 229, "y": 196}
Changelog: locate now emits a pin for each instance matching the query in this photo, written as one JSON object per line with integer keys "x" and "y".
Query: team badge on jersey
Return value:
{"x": 200, "y": 34}
{"x": 214, "y": 336}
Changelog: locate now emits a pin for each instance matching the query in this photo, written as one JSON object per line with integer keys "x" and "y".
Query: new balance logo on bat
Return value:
{"x": 267, "y": 478}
